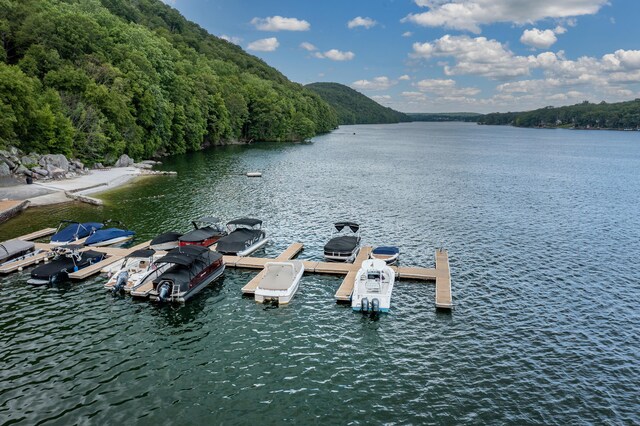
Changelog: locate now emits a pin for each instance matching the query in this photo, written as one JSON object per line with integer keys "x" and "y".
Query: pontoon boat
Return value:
{"x": 343, "y": 248}
{"x": 245, "y": 237}
{"x": 207, "y": 231}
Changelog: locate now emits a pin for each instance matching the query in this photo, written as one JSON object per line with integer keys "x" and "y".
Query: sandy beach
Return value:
{"x": 55, "y": 191}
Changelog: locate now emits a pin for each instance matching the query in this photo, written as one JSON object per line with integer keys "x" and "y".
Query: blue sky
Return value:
{"x": 442, "y": 55}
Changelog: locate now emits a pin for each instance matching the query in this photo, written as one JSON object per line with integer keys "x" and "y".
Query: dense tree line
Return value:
{"x": 355, "y": 108}
{"x": 446, "y": 116}
{"x": 621, "y": 115}
{"x": 98, "y": 78}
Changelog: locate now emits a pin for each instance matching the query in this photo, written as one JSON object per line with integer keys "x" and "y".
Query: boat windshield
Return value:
{"x": 373, "y": 275}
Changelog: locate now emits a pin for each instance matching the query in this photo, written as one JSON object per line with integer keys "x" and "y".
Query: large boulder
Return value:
{"x": 124, "y": 161}
{"x": 56, "y": 160}
{"x": 4, "y": 169}
{"x": 22, "y": 170}
{"x": 40, "y": 171}
{"x": 29, "y": 160}
{"x": 55, "y": 172}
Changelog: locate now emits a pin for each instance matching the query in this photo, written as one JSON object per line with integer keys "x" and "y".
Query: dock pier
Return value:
{"x": 440, "y": 275}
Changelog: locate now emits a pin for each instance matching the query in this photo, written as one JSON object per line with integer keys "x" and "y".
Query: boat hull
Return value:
{"x": 271, "y": 286}
{"x": 373, "y": 287}
{"x": 347, "y": 257}
{"x": 204, "y": 243}
{"x": 183, "y": 296}
{"x": 112, "y": 241}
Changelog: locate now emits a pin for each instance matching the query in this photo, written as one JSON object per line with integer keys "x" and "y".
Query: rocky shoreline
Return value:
{"x": 18, "y": 167}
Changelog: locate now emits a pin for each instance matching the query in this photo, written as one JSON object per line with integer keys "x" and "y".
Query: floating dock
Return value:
{"x": 440, "y": 274}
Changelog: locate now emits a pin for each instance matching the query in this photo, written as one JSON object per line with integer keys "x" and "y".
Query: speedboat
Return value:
{"x": 245, "y": 237}
{"x": 387, "y": 253}
{"x": 192, "y": 269}
{"x": 279, "y": 282}
{"x": 132, "y": 269}
{"x": 373, "y": 286}
{"x": 166, "y": 241}
{"x": 68, "y": 259}
{"x": 109, "y": 236}
{"x": 343, "y": 248}
{"x": 13, "y": 250}
{"x": 207, "y": 231}
{"x": 73, "y": 231}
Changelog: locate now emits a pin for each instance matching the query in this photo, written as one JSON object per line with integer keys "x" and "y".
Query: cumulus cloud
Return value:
{"x": 538, "y": 38}
{"x": 231, "y": 39}
{"x": 445, "y": 87}
{"x": 381, "y": 98}
{"x": 470, "y": 15}
{"x": 377, "y": 83}
{"x": 407, "y": 34}
{"x": 335, "y": 55}
{"x": 361, "y": 22}
{"x": 308, "y": 46}
{"x": 264, "y": 45}
{"x": 478, "y": 56}
{"x": 404, "y": 77}
{"x": 279, "y": 23}
{"x": 415, "y": 96}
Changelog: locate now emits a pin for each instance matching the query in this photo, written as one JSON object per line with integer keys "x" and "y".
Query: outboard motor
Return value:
{"x": 121, "y": 281}
{"x": 163, "y": 291}
{"x": 364, "y": 305}
{"x": 375, "y": 306}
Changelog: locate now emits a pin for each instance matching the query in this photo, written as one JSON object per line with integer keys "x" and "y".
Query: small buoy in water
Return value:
{"x": 20, "y": 269}
{"x": 254, "y": 174}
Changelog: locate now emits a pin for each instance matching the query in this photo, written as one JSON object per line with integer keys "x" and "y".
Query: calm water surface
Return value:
{"x": 542, "y": 228}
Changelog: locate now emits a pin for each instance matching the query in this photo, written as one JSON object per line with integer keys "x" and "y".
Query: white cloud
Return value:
{"x": 361, "y": 22}
{"x": 308, "y": 46}
{"x": 407, "y": 34}
{"x": 559, "y": 30}
{"x": 231, "y": 39}
{"x": 381, "y": 97}
{"x": 335, "y": 55}
{"x": 446, "y": 87}
{"x": 378, "y": 83}
{"x": 264, "y": 45}
{"x": 404, "y": 77}
{"x": 414, "y": 95}
{"x": 478, "y": 56}
{"x": 469, "y": 15}
{"x": 279, "y": 23}
{"x": 538, "y": 38}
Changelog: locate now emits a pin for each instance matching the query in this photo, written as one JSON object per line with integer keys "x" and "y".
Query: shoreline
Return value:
{"x": 68, "y": 190}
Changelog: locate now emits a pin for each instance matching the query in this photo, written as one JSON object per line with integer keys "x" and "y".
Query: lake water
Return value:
{"x": 543, "y": 232}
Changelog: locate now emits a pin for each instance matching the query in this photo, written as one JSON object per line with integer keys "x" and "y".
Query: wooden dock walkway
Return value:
{"x": 38, "y": 234}
{"x": 443, "y": 280}
{"x": 346, "y": 288}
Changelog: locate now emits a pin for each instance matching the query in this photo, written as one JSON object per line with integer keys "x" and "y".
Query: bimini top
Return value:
{"x": 245, "y": 221}
{"x": 142, "y": 253}
{"x": 351, "y": 225}
{"x": 188, "y": 255}
{"x": 75, "y": 231}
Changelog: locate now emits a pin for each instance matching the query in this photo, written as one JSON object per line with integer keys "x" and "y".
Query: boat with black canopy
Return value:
{"x": 245, "y": 237}
{"x": 207, "y": 231}
{"x": 166, "y": 241}
{"x": 181, "y": 274}
{"x": 69, "y": 258}
{"x": 70, "y": 231}
{"x": 343, "y": 248}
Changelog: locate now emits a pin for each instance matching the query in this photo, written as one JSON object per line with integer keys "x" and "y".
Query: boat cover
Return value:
{"x": 247, "y": 221}
{"x": 351, "y": 225}
{"x": 188, "y": 255}
{"x": 142, "y": 253}
{"x": 108, "y": 234}
{"x": 13, "y": 247}
{"x": 200, "y": 234}
{"x": 67, "y": 264}
{"x": 238, "y": 240}
{"x": 76, "y": 231}
{"x": 386, "y": 250}
{"x": 167, "y": 237}
{"x": 342, "y": 244}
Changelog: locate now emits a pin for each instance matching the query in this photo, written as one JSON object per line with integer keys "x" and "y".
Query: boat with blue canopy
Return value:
{"x": 70, "y": 231}
{"x": 109, "y": 236}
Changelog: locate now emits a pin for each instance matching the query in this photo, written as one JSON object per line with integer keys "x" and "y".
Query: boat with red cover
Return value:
{"x": 208, "y": 230}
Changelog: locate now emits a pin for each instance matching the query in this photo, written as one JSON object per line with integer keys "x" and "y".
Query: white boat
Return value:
{"x": 387, "y": 253}
{"x": 373, "y": 287}
{"x": 280, "y": 281}
{"x": 131, "y": 270}
{"x": 166, "y": 241}
{"x": 245, "y": 237}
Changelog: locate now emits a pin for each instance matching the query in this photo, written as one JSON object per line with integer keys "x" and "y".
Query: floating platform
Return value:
{"x": 441, "y": 274}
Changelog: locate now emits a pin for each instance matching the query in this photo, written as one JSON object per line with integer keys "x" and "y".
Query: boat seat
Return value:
{"x": 277, "y": 277}
{"x": 373, "y": 285}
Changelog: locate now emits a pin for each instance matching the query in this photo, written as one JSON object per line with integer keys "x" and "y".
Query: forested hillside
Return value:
{"x": 98, "y": 78}
{"x": 355, "y": 108}
{"x": 444, "y": 116}
{"x": 621, "y": 115}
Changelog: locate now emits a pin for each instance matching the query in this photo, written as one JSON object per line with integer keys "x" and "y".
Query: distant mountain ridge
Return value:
{"x": 353, "y": 107}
